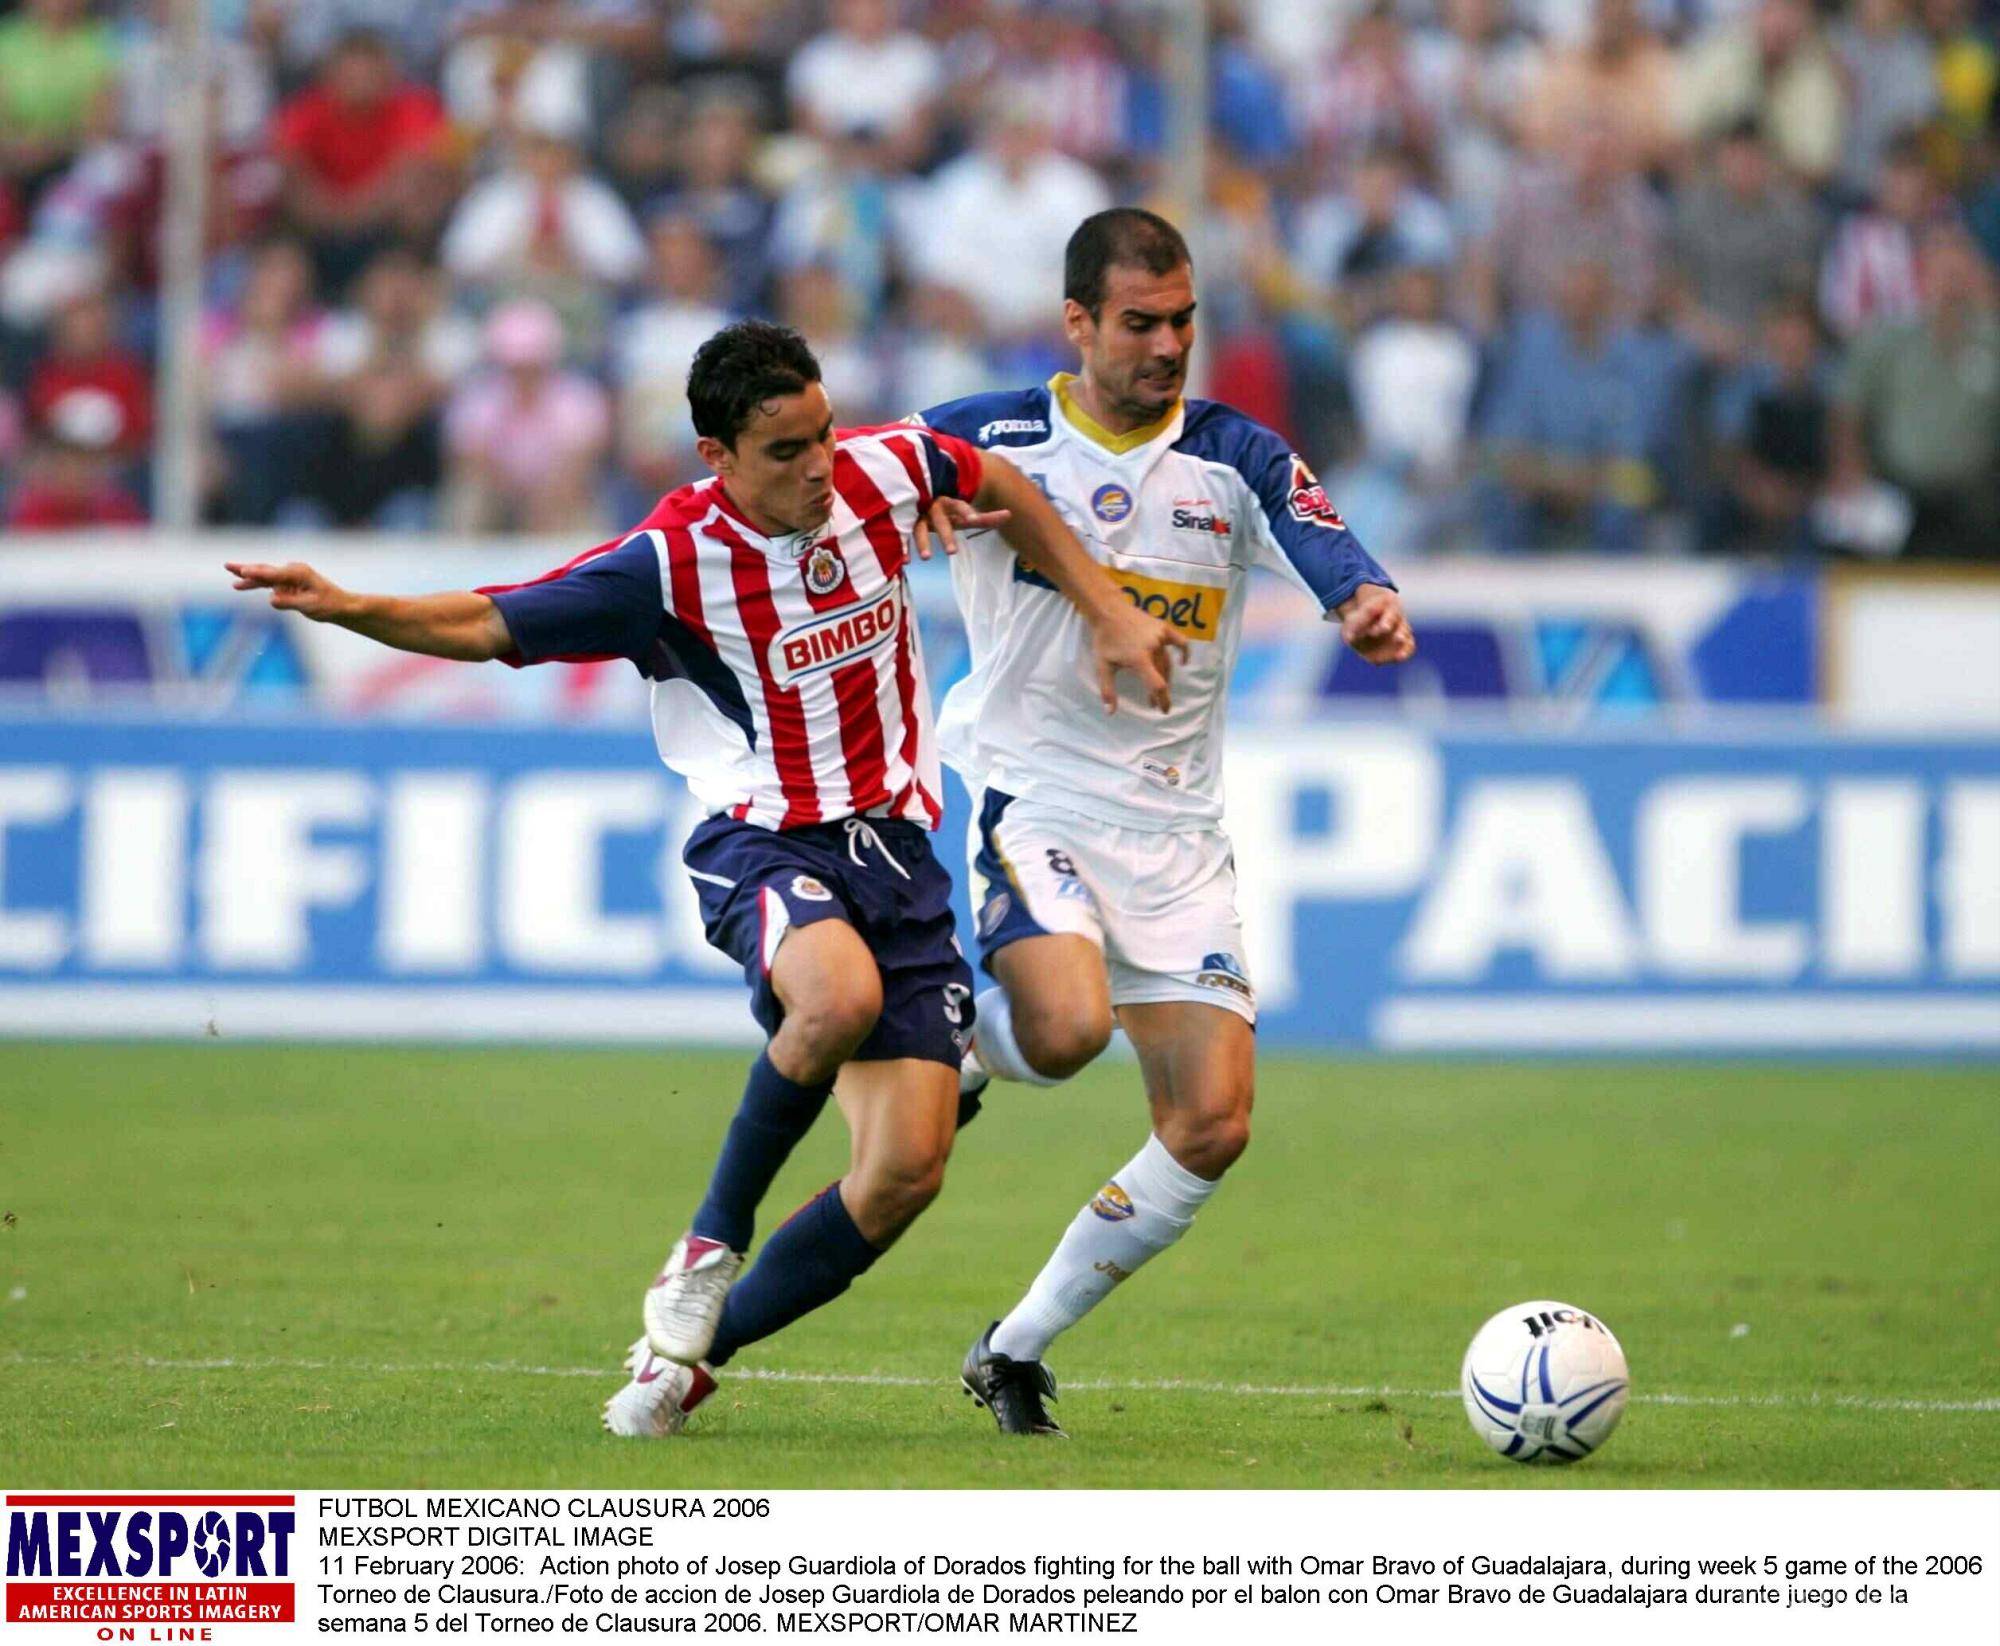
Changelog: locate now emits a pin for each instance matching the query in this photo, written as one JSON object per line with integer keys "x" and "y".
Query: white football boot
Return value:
{"x": 684, "y": 1305}
{"x": 661, "y": 1394}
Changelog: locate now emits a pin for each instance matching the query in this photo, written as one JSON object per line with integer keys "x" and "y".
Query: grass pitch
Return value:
{"x": 332, "y": 1267}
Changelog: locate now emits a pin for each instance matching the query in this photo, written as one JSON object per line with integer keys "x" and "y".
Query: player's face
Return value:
{"x": 780, "y": 471}
{"x": 1135, "y": 350}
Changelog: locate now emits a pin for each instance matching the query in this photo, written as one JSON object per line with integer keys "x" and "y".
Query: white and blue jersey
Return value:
{"x": 1178, "y": 513}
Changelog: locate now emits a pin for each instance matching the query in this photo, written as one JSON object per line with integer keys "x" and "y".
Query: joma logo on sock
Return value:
{"x": 1107, "y": 1267}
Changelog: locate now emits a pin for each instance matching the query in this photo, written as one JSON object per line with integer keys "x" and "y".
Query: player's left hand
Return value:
{"x": 1372, "y": 622}
{"x": 1126, "y": 638}
{"x": 945, "y": 517}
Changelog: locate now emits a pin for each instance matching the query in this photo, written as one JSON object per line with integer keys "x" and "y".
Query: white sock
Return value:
{"x": 993, "y": 1040}
{"x": 1138, "y": 1214}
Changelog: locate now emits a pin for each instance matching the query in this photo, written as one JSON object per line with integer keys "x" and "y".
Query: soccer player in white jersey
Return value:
{"x": 769, "y": 606}
{"x": 1102, "y": 881}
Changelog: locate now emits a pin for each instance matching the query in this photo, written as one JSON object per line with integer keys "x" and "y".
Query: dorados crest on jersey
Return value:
{"x": 837, "y": 637}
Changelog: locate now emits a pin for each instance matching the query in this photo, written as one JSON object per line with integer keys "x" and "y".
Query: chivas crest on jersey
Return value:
{"x": 825, "y": 570}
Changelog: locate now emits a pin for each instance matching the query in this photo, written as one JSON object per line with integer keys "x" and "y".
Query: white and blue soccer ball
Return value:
{"x": 1544, "y": 1383}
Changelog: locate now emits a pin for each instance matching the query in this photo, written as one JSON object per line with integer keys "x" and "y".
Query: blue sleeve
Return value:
{"x": 606, "y": 604}
{"x": 1296, "y": 531}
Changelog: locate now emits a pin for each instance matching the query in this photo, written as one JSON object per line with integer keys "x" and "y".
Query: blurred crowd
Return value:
{"x": 1666, "y": 275}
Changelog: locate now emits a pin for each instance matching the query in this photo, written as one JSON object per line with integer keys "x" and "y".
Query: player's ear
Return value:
{"x": 1078, "y": 325}
{"x": 715, "y": 454}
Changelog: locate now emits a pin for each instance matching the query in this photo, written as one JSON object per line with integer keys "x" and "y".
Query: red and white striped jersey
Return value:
{"x": 788, "y": 680}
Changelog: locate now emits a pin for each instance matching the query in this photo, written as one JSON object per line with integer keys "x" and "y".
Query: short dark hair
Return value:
{"x": 741, "y": 367}
{"x": 1125, "y": 236}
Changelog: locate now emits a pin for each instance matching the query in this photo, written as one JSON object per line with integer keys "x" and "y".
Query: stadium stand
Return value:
{"x": 1668, "y": 276}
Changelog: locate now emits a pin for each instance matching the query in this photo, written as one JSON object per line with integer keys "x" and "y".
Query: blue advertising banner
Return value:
{"x": 1402, "y": 889}
{"x": 1618, "y": 640}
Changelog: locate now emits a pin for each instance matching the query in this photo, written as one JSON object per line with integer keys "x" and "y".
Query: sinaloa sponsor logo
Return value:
{"x": 838, "y": 637}
{"x": 1198, "y": 514}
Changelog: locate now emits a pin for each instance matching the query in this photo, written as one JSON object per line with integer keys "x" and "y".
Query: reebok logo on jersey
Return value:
{"x": 1193, "y": 608}
{"x": 837, "y": 638}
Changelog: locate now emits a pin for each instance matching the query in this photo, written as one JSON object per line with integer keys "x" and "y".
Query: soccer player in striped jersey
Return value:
{"x": 1102, "y": 880}
{"x": 769, "y": 606}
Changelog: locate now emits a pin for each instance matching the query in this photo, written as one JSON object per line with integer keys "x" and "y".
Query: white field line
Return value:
{"x": 890, "y": 1380}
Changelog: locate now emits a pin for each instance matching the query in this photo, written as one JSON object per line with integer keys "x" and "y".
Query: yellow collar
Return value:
{"x": 1086, "y": 425}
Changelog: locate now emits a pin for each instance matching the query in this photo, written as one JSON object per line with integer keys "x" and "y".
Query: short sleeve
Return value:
{"x": 604, "y": 604}
{"x": 954, "y": 466}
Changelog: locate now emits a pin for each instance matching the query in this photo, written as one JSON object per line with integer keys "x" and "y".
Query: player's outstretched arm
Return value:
{"x": 460, "y": 625}
{"x": 1124, "y": 636}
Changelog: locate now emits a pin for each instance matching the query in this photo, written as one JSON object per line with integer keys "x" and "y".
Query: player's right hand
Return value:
{"x": 1126, "y": 638}
{"x": 295, "y": 587}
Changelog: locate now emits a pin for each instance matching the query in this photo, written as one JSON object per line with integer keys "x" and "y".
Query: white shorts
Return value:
{"x": 1162, "y": 906}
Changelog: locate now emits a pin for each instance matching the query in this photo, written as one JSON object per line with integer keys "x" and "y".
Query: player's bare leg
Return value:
{"x": 901, "y": 1118}
{"x": 1200, "y": 1067}
{"x": 832, "y": 994}
{"x": 1050, "y": 1015}
{"x": 1199, "y": 1064}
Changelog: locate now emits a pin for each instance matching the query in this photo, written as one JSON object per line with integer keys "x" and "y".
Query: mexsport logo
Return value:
{"x": 149, "y": 1559}
{"x": 837, "y": 638}
{"x": 1308, "y": 502}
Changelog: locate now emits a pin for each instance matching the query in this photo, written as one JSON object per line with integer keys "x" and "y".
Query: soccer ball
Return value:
{"x": 1544, "y": 1383}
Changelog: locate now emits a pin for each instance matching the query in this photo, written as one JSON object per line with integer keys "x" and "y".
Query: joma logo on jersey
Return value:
{"x": 155, "y": 1543}
{"x": 839, "y": 637}
{"x": 1010, "y": 425}
{"x": 1192, "y": 608}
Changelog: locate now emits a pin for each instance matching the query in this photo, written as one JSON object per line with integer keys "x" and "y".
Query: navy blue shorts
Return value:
{"x": 881, "y": 877}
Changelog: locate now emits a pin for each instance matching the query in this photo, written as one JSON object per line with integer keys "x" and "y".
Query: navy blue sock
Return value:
{"x": 774, "y": 1114}
{"x": 814, "y": 1257}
